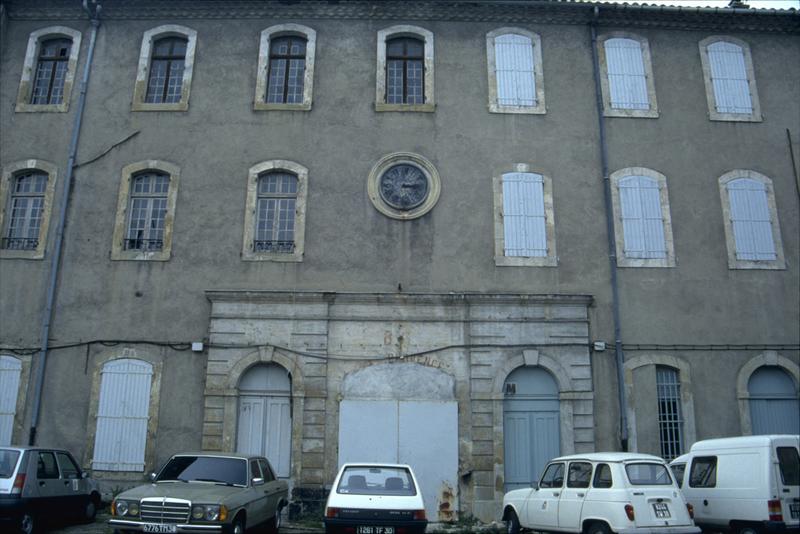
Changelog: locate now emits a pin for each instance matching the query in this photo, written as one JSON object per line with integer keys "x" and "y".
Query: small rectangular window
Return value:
{"x": 255, "y": 470}
{"x": 51, "y": 71}
{"x": 789, "y": 463}
{"x": 648, "y": 474}
{"x": 677, "y": 471}
{"x": 69, "y": 469}
{"x": 579, "y": 475}
{"x": 46, "y": 466}
{"x": 704, "y": 472}
{"x": 602, "y": 477}
{"x": 266, "y": 470}
{"x": 166, "y": 71}
{"x": 287, "y": 66}
{"x": 553, "y": 476}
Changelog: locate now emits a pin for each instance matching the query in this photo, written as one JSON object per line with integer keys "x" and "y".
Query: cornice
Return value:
{"x": 521, "y": 12}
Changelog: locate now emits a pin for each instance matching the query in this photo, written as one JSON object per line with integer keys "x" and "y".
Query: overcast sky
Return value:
{"x": 756, "y": 4}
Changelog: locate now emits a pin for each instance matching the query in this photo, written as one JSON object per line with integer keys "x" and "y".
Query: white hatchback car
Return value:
{"x": 375, "y": 499}
{"x": 600, "y": 493}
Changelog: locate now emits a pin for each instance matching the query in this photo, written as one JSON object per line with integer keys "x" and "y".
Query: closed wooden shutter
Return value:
{"x": 524, "y": 219}
{"x": 10, "y": 370}
{"x": 122, "y": 415}
{"x": 516, "y": 82}
{"x": 627, "y": 79}
{"x": 729, "y": 78}
{"x": 750, "y": 219}
{"x": 642, "y": 222}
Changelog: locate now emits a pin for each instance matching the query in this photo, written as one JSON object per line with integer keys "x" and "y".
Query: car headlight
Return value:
{"x": 212, "y": 513}
{"x": 133, "y": 509}
{"x": 206, "y": 512}
{"x": 122, "y": 508}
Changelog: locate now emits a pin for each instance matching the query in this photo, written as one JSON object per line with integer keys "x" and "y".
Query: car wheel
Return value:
{"x": 598, "y": 528}
{"x": 90, "y": 510}
{"x": 747, "y": 529}
{"x": 512, "y": 524}
{"x": 27, "y": 524}
{"x": 238, "y": 526}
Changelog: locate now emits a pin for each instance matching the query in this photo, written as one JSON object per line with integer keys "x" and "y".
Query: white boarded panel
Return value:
{"x": 516, "y": 82}
{"x": 729, "y": 78}
{"x": 627, "y": 80}
{"x": 279, "y": 435}
{"x": 10, "y": 370}
{"x": 368, "y": 431}
{"x": 251, "y": 425}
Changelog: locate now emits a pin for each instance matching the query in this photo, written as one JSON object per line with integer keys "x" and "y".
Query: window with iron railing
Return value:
{"x": 26, "y": 207}
{"x": 147, "y": 211}
{"x": 275, "y": 213}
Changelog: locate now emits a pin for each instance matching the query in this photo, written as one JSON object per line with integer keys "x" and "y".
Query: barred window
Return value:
{"x": 148, "y": 209}
{"x": 405, "y": 71}
{"x": 275, "y": 206}
{"x": 51, "y": 71}
{"x": 670, "y": 420}
{"x": 26, "y": 207}
{"x": 287, "y": 64}
{"x": 166, "y": 71}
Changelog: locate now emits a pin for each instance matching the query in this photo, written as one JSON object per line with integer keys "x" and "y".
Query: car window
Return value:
{"x": 602, "y": 476}
{"x": 68, "y": 467}
{"x": 8, "y": 460}
{"x": 553, "y": 476}
{"x": 255, "y": 470}
{"x": 789, "y": 462}
{"x": 216, "y": 469}
{"x": 376, "y": 480}
{"x": 266, "y": 470}
{"x": 704, "y": 472}
{"x": 579, "y": 475}
{"x": 678, "y": 470}
{"x": 46, "y": 466}
{"x": 648, "y": 474}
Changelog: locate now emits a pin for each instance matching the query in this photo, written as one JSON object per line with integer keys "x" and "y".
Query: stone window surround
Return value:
{"x": 248, "y": 254}
{"x": 500, "y": 259}
{"x": 18, "y": 428}
{"x": 687, "y": 396}
{"x": 123, "y": 204}
{"x": 404, "y": 30}
{"x": 143, "y": 71}
{"x": 779, "y": 263}
{"x": 398, "y": 158}
{"x": 10, "y": 172}
{"x": 619, "y": 234}
{"x": 608, "y": 111}
{"x": 281, "y": 30}
{"x": 99, "y": 360}
{"x": 29, "y": 69}
{"x": 767, "y": 358}
{"x": 538, "y": 72}
{"x": 713, "y": 114}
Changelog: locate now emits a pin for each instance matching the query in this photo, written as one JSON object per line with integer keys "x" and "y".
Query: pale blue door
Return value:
{"x": 774, "y": 405}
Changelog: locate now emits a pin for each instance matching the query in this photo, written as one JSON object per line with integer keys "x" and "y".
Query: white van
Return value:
{"x": 748, "y": 484}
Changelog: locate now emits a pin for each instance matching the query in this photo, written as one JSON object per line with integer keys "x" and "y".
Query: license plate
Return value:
{"x": 661, "y": 509}
{"x": 161, "y": 529}
{"x": 375, "y": 530}
{"x": 794, "y": 509}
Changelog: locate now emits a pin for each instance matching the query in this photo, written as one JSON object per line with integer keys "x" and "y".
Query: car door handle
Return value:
{"x": 581, "y": 494}
{"x": 556, "y": 494}
{"x": 66, "y": 482}
{"x": 705, "y": 502}
{"x": 41, "y": 482}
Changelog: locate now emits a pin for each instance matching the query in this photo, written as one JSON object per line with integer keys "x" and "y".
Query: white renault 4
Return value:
{"x": 600, "y": 493}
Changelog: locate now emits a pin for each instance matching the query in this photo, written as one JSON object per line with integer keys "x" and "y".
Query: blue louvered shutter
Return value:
{"x": 10, "y": 370}
{"x": 752, "y": 228}
{"x": 729, "y": 78}
{"x": 642, "y": 222}
{"x": 516, "y": 82}
{"x": 524, "y": 219}
{"x": 122, "y": 415}
{"x": 627, "y": 79}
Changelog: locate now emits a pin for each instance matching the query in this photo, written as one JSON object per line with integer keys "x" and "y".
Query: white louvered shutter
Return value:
{"x": 516, "y": 82}
{"x": 122, "y": 416}
{"x": 729, "y": 78}
{"x": 752, "y": 229}
{"x": 627, "y": 79}
{"x": 524, "y": 219}
{"x": 642, "y": 223}
{"x": 10, "y": 370}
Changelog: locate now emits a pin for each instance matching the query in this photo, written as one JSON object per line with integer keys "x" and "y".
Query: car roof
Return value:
{"x": 742, "y": 441}
{"x": 610, "y": 457}
{"x": 371, "y": 464}
{"x": 24, "y": 448}
{"x": 217, "y": 454}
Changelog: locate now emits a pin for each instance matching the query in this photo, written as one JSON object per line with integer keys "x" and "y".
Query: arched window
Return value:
{"x": 627, "y": 81}
{"x": 729, "y": 79}
{"x": 49, "y": 70}
{"x": 164, "y": 76}
{"x": 514, "y": 59}
{"x": 26, "y": 199}
{"x": 670, "y": 417}
{"x": 286, "y": 68}
{"x": 405, "y": 69}
{"x": 774, "y": 403}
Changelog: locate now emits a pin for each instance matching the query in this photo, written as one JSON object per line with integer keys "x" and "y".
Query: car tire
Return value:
{"x": 239, "y": 526}
{"x": 747, "y": 529}
{"x": 512, "y": 523}
{"x": 598, "y": 528}
{"x": 90, "y": 510}
{"x": 27, "y": 524}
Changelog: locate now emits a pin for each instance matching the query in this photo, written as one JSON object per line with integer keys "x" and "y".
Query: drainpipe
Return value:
{"x": 47, "y": 316}
{"x": 612, "y": 245}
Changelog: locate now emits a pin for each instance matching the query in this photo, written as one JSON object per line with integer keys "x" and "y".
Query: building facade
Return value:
{"x": 468, "y": 236}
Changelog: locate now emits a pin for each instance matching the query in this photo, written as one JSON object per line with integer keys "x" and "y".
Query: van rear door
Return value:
{"x": 788, "y": 480}
{"x": 655, "y": 498}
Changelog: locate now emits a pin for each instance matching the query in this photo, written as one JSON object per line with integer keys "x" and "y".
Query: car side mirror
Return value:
{"x": 152, "y": 477}
{"x": 84, "y": 474}
{"x": 258, "y": 481}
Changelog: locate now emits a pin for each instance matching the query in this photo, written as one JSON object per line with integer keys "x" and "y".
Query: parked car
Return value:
{"x": 204, "y": 492}
{"x": 600, "y": 493}
{"x": 375, "y": 499}
{"x": 38, "y": 483}
{"x": 748, "y": 484}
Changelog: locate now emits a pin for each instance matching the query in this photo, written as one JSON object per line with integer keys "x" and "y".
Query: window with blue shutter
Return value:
{"x": 10, "y": 370}
{"x": 122, "y": 415}
{"x": 642, "y": 220}
{"x": 750, "y": 220}
{"x": 514, "y": 70}
{"x": 627, "y": 78}
{"x": 729, "y": 78}
{"x": 524, "y": 218}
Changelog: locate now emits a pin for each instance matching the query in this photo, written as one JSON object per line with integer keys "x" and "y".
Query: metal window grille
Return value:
{"x": 642, "y": 222}
{"x": 147, "y": 211}
{"x": 26, "y": 207}
{"x": 275, "y": 213}
{"x": 166, "y": 71}
{"x": 516, "y": 82}
{"x": 287, "y": 67}
{"x": 751, "y": 221}
{"x": 405, "y": 71}
{"x": 51, "y": 71}
{"x": 670, "y": 420}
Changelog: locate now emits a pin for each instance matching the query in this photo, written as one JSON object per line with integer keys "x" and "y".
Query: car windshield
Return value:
{"x": 648, "y": 474}
{"x": 214, "y": 469}
{"x": 376, "y": 480}
{"x": 8, "y": 459}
